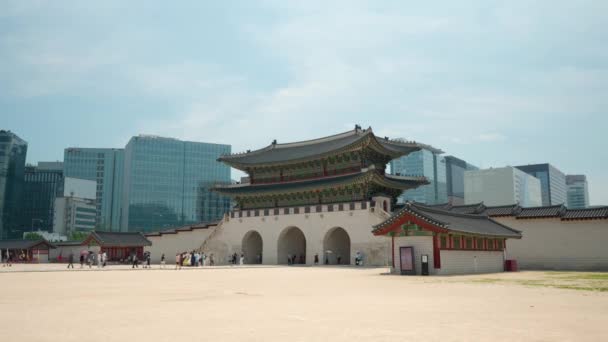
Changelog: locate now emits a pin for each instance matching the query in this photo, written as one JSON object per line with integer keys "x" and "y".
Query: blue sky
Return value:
{"x": 493, "y": 82}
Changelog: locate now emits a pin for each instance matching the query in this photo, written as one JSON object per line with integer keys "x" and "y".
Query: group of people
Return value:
{"x": 8, "y": 257}
{"x": 90, "y": 258}
{"x": 192, "y": 259}
{"x": 293, "y": 259}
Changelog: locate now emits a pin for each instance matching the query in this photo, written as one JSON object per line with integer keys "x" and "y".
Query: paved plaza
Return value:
{"x": 291, "y": 304}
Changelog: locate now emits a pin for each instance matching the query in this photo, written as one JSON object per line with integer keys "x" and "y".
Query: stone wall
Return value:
{"x": 316, "y": 226}
{"x": 553, "y": 244}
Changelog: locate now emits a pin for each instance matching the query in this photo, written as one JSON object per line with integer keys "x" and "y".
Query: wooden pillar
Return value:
{"x": 436, "y": 252}
{"x": 393, "y": 249}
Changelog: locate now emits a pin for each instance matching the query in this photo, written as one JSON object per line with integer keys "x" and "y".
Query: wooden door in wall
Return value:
{"x": 406, "y": 256}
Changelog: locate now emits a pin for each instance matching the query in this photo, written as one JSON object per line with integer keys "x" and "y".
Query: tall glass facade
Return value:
{"x": 578, "y": 191}
{"x": 552, "y": 182}
{"x": 13, "y": 151}
{"x": 455, "y": 169}
{"x": 167, "y": 183}
{"x": 40, "y": 188}
{"x": 104, "y": 166}
{"x": 423, "y": 163}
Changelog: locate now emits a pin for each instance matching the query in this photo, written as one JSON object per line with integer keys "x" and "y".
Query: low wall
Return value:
{"x": 178, "y": 242}
{"x": 553, "y": 244}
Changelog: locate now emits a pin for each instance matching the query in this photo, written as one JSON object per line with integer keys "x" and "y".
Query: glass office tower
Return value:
{"x": 552, "y": 182}
{"x": 167, "y": 183}
{"x": 427, "y": 163}
{"x": 578, "y": 191}
{"x": 42, "y": 184}
{"x": 104, "y": 166}
{"x": 455, "y": 169}
{"x": 13, "y": 151}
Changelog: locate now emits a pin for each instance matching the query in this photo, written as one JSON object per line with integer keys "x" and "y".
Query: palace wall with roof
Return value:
{"x": 554, "y": 237}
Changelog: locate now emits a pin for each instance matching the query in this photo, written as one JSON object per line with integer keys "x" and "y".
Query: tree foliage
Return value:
{"x": 33, "y": 236}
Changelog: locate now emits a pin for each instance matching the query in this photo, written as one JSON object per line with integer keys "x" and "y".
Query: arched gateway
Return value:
{"x": 336, "y": 244}
{"x": 292, "y": 242}
{"x": 327, "y": 178}
{"x": 253, "y": 247}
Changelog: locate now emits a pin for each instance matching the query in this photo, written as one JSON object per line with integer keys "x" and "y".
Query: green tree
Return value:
{"x": 78, "y": 236}
{"x": 33, "y": 236}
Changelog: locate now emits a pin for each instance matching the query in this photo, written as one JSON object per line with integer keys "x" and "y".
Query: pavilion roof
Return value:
{"x": 444, "y": 219}
{"x": 367, "y": 175}
{"x": 313, "y": 149}
{"x": 24, "y": 244}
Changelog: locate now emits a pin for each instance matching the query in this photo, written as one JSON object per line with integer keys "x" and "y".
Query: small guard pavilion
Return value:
{"x": 430, "y": 240}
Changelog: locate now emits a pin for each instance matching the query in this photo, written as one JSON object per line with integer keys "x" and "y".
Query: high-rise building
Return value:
{"x": 502, "y": 186}
{"x": 42, "y": 184}
{"x": 552, "y": 182}
{"x": 73, "y": 214}
{"x": 13, "y": 151}
{"x": 455, "y": 169}
{"x": 427, "y": 162}
{"x": 578, "y": 191}
{"x": 167, "y": 183}
{"x": 105, "y": 167}
{"x": 75, "y": 209}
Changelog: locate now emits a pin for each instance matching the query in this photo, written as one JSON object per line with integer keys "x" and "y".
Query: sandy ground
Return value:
{"x": 289, "y": 305}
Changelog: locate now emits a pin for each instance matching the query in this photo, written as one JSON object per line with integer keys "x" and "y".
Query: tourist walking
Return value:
{"x": 104, "y": 259}
{"x": 148, "y": 257}
{"x": 192, "y": 259}
{"x": 99, "y": 259}
{"x": 81, "y": 260}
{"x": 162, "y": 261}
{"x": 316, "y": 259}
{"x": 339, "y": 260}
{"x": 90, "y": 259}
{"x": 71, "y": 261}
{"x": 177, "y": 260}
{"x": 211, "y": 261}
{"x": 242, "y": 259}
{"x": 135, "y": 261}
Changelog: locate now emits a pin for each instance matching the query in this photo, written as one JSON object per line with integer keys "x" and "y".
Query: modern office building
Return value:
{"x": 427, "y": 162}
{"x": 167, "y": 183}
{"x": 13, "y": 151}
{"x": 455, "y": 169}
{"x": 578, "y": 191}
{"x": 502, "y": 186}
{"x": 42, "y": 184}
{"x": 552, "y": 182}
{"x": 105, "y": 167}
{"x": 73, "y": 214}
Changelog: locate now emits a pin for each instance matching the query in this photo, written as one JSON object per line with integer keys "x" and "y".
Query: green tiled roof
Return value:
{"x": 298, "y": 151}
{"x": 369, "y": 175}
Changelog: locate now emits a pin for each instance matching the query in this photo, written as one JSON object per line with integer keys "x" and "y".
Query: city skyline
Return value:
{"x": 493, "y": 84}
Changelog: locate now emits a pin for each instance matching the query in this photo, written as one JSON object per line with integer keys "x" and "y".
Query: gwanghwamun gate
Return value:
{"x": 331, "y": 200}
